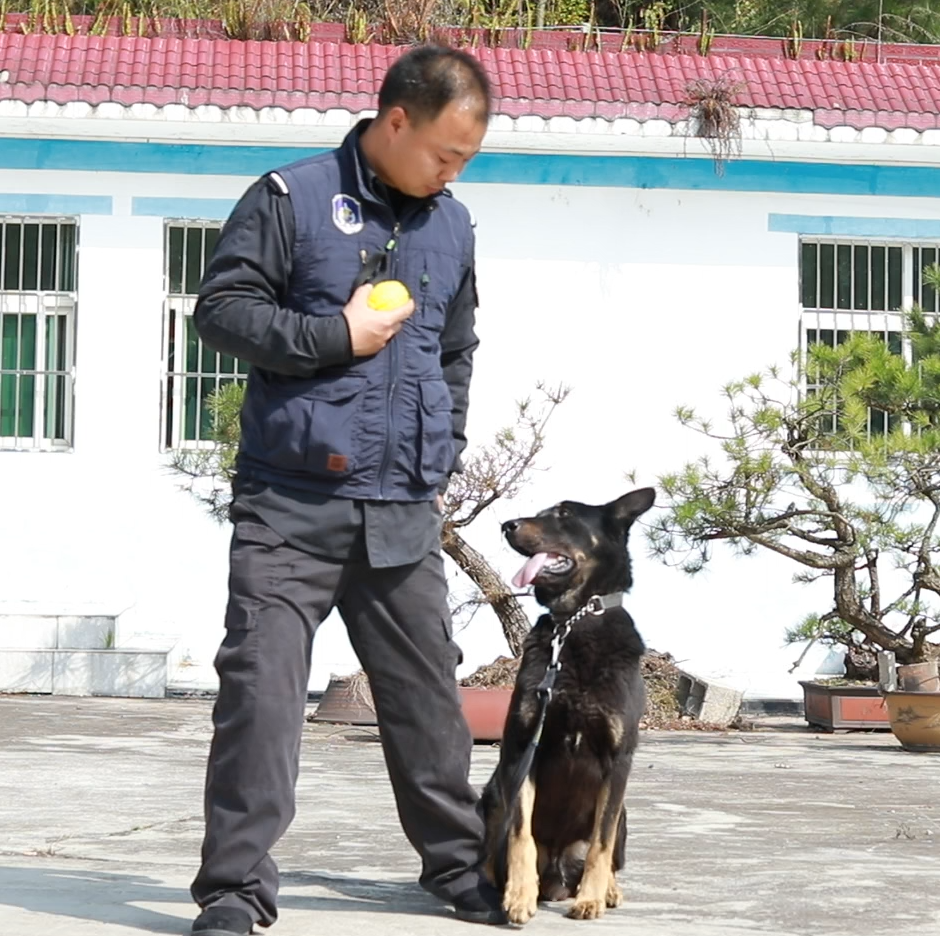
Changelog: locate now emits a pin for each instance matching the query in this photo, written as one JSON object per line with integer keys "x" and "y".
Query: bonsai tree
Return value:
{"x": 497, "y": 471}
{"x": 494, "y": 471}
{"x": 838, "y": 469}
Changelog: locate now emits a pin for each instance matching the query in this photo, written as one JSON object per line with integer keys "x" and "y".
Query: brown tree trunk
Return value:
{"x": 853, "y": 612}
{"x": 514, "y": 622}
{"x": 861, "y": 664}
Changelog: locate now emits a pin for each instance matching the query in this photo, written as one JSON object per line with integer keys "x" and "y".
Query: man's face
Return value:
{"x": 421, "y": 160}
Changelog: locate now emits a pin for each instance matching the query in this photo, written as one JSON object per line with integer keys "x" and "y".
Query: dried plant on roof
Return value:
{"x": 407, "y": 22}
{"x": 714, "y": 116}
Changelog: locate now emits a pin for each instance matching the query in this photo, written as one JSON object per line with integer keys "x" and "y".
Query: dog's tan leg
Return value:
{"x": 595, "y": 890}
{"x": 520, "y": 898}
{"x": 614, "y": 893}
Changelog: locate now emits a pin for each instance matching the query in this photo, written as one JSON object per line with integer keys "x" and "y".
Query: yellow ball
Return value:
{"x": 389, "y": 294}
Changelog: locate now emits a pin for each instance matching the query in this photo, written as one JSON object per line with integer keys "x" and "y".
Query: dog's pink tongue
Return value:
{"x": 527, "y": 573}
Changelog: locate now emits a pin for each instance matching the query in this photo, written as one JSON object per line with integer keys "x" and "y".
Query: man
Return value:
{"x": 352, "y": 422}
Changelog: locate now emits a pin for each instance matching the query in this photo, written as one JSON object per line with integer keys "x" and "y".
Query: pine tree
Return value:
{"x": 841, "y": 474}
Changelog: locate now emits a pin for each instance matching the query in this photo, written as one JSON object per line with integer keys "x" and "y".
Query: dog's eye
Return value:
{"x": 562, "y": 512}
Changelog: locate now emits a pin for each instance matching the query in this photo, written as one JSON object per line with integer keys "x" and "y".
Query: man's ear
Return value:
{"x": 626, "y": 509}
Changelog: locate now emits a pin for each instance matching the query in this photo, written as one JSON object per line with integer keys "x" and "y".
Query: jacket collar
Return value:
{"x": 368, "y": 183}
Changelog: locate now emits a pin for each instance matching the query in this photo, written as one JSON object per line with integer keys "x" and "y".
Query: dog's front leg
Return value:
{"x": 599, "y": 888}
{"x": 520, "y": 898}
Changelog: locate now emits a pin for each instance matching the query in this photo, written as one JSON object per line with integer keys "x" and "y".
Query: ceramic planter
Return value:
{"x": 484, "y": 709}
{"x": 919, "y": 677}
{"x": 915, "y": 719}
{"x": 843, "y": 707}
{"x": 342, "y": 705}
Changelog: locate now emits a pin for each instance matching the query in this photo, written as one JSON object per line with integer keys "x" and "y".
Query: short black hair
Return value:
{"x": 424, "y": 80}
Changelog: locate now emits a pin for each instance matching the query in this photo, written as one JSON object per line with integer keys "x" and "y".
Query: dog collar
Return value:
{"x": 598, "y": 604}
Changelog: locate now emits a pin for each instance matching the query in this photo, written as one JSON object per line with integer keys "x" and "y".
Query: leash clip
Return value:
{"x": 595, "y": 605}
{"x": 558, "y": 639}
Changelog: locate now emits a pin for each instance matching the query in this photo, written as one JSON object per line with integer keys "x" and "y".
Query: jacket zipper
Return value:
{"x": 391, "y": 249}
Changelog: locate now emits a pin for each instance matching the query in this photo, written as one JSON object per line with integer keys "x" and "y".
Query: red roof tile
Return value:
{"x": 546, "y": 82}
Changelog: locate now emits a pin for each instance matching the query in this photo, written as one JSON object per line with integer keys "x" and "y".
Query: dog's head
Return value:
{"x": 577, "y": 550}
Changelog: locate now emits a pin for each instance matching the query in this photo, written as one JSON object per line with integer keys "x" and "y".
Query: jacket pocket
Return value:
{"x": 435, "y": 413}
{"x": 431, "y": 300}
{"x": 312, "y": 427}
{"x": 333, "y": 443}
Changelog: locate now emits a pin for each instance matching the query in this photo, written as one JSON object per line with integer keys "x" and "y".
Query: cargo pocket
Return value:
{"x": 310, "y": 426}
{"x": 437, "y": 432}
{"x": 333, "y": 441}
{"x": 252, "y": 573}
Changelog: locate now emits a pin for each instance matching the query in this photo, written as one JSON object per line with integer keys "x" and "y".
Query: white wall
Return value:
{"x": 640, "y": 300}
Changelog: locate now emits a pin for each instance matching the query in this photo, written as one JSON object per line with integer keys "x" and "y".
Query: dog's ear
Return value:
{"x": 626, "y": 509}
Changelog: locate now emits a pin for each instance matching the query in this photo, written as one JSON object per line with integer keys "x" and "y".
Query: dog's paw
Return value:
{"x": 520, "y": 903}
{"x": 614, "y": 893}
{"x": 587, "y": 910}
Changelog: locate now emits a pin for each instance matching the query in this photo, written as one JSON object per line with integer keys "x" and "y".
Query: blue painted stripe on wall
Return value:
{"x": 27, "y": 203}
{"x": 534, "y": 169}
{"x": 116, "y": 156}
{"x": 839, "y": 226}
{"x": 211, "y": 209}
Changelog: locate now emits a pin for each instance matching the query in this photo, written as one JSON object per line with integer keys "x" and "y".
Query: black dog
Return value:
{"x": 567, "y": 831}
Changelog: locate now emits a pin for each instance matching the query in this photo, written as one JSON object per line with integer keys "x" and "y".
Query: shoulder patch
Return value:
{"x": 347, "y": 213}
{"x": 279, "y": 182}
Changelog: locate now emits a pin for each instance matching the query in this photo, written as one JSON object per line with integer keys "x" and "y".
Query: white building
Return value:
{"x": 612, "y": 257}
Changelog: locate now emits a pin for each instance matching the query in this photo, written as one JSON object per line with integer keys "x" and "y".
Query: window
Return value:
{"x": 847, "y": 287}
{"x": 193, "y": 371}
{"x": 38, "y": 273}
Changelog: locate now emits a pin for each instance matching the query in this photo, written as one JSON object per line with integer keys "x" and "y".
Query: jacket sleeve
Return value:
{"x": 240, "y": 308}
{"x": 458, "y": 343}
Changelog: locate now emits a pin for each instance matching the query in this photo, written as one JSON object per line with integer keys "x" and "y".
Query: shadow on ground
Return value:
{"x": 123, "y": 899}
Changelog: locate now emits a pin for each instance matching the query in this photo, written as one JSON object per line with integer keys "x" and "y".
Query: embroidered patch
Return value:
{"x": 347, "y": 214}
{"x": 336, "y": 463}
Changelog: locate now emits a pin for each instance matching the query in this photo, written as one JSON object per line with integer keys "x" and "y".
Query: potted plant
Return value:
{"x": 912, "y": 699}
{"x": 914, "y": 716}
{"x": 494, "y": 471}
{"x": 842, "y": 478}
{"x": 852, "y": 700}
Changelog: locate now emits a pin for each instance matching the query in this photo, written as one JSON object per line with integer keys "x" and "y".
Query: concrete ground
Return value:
{"x": 779, "y": 831}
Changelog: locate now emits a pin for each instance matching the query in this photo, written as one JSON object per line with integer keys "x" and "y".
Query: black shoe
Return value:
{"x": 481, "y": 904}
{"x": 222, "y": 921}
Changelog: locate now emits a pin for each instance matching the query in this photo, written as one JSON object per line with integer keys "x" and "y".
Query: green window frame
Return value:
{"x": 38, "y": 308}
{"x": 192, "y": 371}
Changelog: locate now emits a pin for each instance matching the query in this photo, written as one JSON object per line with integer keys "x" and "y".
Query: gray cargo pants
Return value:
{"x": 400, "y": 628}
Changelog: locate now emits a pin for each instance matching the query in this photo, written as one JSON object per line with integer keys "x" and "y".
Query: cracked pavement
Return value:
{"x": 779, "y": 831}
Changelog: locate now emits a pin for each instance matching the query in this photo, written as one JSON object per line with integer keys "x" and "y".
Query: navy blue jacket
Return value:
{"x": 385, "y": 427}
